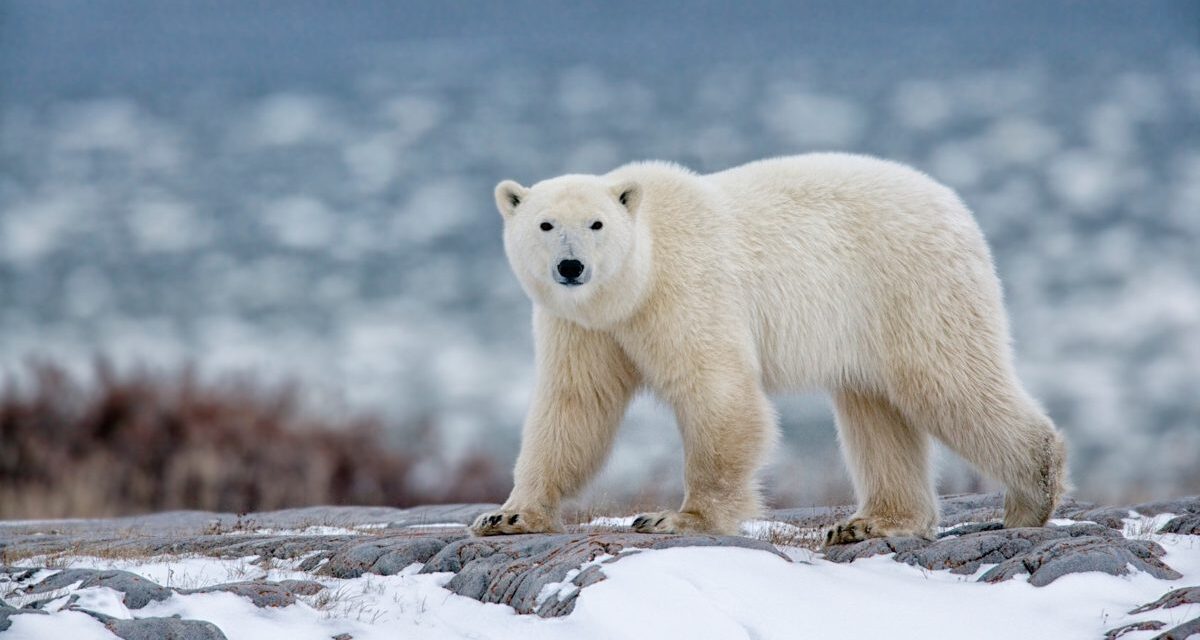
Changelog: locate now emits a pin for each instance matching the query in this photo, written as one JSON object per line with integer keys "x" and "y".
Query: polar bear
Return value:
{"x": 841, "y": 272}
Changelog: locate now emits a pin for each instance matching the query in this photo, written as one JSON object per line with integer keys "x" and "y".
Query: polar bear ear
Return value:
{"x": 629, "y": 194}
{"x": 509, "y": 194}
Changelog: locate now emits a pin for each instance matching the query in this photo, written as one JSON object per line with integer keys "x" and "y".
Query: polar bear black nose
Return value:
{"x": 570, "y": 269}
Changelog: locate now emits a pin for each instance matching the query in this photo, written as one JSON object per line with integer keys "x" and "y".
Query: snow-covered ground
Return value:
{"x": 690, "y": 592}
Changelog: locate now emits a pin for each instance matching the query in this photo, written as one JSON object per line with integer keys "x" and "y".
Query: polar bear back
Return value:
{"x": 845, "y": 267}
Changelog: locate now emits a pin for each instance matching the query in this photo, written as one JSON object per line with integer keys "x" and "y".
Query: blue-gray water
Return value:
{"x": 305, "y": 189}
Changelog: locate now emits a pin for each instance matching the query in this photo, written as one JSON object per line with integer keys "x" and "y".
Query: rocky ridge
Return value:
{"x": 536, "y": 574}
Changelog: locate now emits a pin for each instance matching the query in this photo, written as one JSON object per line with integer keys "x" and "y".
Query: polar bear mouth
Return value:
{"x": 571, "y": 282}
{"x": 571, "y": 273}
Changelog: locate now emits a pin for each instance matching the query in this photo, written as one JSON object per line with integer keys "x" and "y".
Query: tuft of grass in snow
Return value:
{"x": 783, "y": 534}
{"x": 1139, "y": 527}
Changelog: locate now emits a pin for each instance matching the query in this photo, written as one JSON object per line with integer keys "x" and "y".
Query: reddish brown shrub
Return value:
{"x": 145, "y": 440}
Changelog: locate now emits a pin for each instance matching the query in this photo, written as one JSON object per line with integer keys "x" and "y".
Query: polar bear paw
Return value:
{"x": 865, "y": 528}
{"x": 514, "y": 521}
{"x": 670, "y": 522}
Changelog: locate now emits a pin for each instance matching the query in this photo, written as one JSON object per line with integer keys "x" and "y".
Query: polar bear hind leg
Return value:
{"x": 991, "y": 421}
{"x": 889, "y": 462}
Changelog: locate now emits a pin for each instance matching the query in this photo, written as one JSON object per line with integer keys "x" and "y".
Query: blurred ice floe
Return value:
{"x": 338, "y": 227}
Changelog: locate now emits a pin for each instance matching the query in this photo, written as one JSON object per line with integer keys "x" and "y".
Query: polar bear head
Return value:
{"x": 568, "y": 238}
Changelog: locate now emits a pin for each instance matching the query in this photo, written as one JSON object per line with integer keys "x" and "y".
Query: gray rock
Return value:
{"x": 1146, "y": 625}
{"x": 1186, "y": 630}
{"x": 1184, "y": 524}
{"x": 1050, "y": 560}
{"x": 264, "y": 593}
{"x": 164, "y": 629}
{"x": 977, "y": 507}
{"x": 314, "y": 561}
{"x": 463, "y": 514}
{"x": 6, "y": 614}
{"x": 105, "y": 543}
{"x": 972, "y": 527}
{"x": 1190, "y": 504}
{"x": 965, "y": 553}
{"x": 157, "y": 628}
{"x": 513, "y": 570}
{"x": 873, "y": 547}
{"x": 302, "y": 587}
{"x": 1186, "y": 595}
{"x": 385, "y": 555}
{"x": 18, "y": 574}
{"x": 138, "y": 591}
{"x": 178, "y": 523}
{"x": 1111, "y": 517}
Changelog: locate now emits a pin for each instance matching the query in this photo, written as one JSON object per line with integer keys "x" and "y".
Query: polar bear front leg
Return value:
{"x": 585, "y": 383}
{"x": 727, "y": 424}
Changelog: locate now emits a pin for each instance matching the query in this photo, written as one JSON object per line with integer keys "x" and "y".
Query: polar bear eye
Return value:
{"x": 597, "y": 225}
{"x": 546, "y": 226}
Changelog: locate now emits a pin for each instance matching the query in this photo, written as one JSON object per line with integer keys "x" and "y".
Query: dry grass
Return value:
{"x": 784, "y": 535}
{"x": 144, "y": 440}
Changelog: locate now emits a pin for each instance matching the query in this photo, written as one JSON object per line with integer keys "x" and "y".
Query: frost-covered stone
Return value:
{"x": 537, "y": 574}
{"x": 1050, "y": 560}
{"x": 964, "y": 554}
{"x": 1046, "y": 553}
{"x": 873, "y": 547}
{"x": 1185, "y": 524}
{"x": 138, "y": 591}
{"x": 1111, "y": 517}
{"x": 543, "y": 574}
{"x": 7, "y": 612}
{"x": 1188, "y": 629}
{"x": 164, "y": 629}
{"x": 384, "y": 556}
{"x": 1114, "y": 517}
{"x": 1145, "y": 625}
{"x": 1186, "y": 595}
{"x": 1190, "y": 504}
{"x": 264, "y": 593}
{"x": 971, "y": 527}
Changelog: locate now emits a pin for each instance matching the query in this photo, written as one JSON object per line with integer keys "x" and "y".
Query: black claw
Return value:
{"x": 494, "y": 520}
{"x": 639, "y": 521}
{"x": 514, "y": 518}
{"x": 660, "y": 521}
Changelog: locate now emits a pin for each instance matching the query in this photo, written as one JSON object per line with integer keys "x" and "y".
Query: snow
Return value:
{"x": 315, "y": 530}
{"x": 561, "y": 590}
{"x": 693, "y": 592}
{"x": 68, "y": 624}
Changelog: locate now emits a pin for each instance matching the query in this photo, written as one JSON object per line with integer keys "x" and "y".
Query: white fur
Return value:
{"x": 847, "y": 273}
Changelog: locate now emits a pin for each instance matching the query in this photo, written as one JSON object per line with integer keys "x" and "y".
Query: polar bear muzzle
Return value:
{"x": 571, "y": 273}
